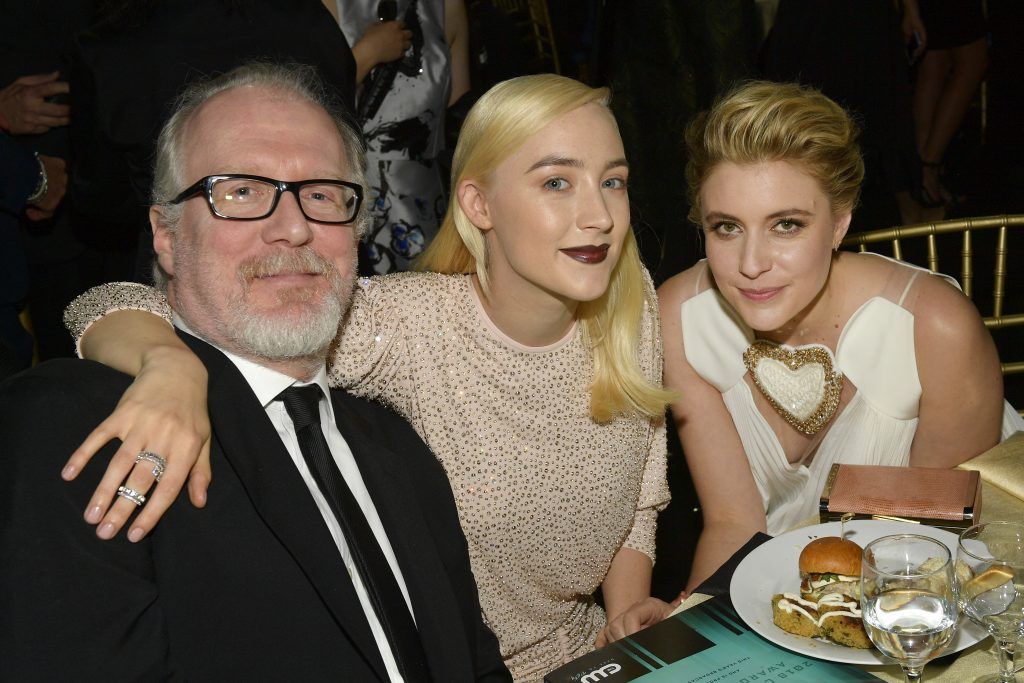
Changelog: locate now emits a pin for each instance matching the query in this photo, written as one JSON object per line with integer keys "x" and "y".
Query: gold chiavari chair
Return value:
{"x": 966, "y": 227}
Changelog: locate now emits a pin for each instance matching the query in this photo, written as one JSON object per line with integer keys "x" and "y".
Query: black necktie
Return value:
{"x": 302, "y": 404}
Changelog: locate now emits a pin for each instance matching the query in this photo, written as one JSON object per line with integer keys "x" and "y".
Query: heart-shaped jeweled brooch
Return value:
{"x": 801, "y": 383}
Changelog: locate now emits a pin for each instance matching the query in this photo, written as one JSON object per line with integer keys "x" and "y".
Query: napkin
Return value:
{"x": 1002, "y": 465}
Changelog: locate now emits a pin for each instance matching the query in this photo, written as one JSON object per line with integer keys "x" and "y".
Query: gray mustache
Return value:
{"x": 303, "y": 260}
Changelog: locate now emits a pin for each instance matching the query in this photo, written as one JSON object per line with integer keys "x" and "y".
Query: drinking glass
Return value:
{"x": 989, "y": 585}
{"x": 907, "y": 599}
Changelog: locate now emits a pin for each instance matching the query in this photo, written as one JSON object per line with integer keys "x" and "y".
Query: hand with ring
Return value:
{"x": 132, "y": 495}
{"x": 164, "y": 428}
{"x": 159, "y": 465}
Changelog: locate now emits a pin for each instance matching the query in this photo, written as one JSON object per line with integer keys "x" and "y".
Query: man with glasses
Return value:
{"x": 331, "y": 550}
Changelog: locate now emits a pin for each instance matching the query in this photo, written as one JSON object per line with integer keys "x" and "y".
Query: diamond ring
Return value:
{"x": 159, "y": 464}
{"x": 131, "y": 494}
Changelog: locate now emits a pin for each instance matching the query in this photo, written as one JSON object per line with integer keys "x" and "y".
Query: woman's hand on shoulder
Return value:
{"x": 961, "y": 383}
{"x": 162, "y": 413}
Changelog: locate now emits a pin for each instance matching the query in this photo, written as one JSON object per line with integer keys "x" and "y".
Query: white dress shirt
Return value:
{"x": 267, "y": 384}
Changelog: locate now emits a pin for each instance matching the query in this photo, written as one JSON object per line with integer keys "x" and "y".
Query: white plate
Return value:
{"x": 771, "y": 568}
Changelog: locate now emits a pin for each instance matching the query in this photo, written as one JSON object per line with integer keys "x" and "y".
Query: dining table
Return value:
{"x": 1001, "y": 469}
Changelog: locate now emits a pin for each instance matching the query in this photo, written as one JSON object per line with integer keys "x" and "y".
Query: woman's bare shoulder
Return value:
{"x": 944, "y": 315}
{"x": 925, "y": 293}
{"x": 872, "y": 271}
{"x": 682, "y": 286}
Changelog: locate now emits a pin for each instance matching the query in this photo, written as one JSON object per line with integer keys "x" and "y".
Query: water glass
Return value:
{"x": 989, "y": 586}
{"x": 907, "y": 599}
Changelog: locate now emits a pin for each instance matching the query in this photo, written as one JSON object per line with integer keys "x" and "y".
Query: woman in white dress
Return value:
{"x": 789, "y": 355}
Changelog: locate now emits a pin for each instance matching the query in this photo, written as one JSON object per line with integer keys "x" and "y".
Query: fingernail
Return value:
{"x": 68, "y": 472}
{"x": 93, "y": 515}
{"x": 106, "y": 532}
{"x": 135, "y": 535}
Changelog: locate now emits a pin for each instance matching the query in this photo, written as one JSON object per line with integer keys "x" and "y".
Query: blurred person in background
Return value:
{"x": 36, "y": 41}
{"x": 953, "y": 65}
{"x": 33, "y": 185}
{"x": 833, "y": 45}
{"x": 412, "y": 63}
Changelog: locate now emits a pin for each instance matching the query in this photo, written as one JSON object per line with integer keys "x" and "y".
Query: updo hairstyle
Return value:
{"x": 761, "y": 121}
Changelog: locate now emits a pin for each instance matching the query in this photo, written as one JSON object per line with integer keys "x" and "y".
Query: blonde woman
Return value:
{"x": 892, "y": 365}
{"x": 528, "y": 360}
{"x": 908, "y": 373}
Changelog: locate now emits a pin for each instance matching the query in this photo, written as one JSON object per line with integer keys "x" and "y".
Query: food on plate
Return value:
{"x": 829, "y": 602}
{"x": 990, "y": 579}
{"x": 932, "y": 565}
{"x": 830, "y": 565}
{"x": 963, "y": 571}
{"x": 795, "y": 615}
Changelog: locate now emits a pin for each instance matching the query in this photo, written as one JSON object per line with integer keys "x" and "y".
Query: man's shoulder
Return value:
{"x": 61, "y": 395}
{"x": 384, "y": 427}
{"x": 375, "y": 419}
{"x": 46, "y": 412}
{"x": 65, "y": 377}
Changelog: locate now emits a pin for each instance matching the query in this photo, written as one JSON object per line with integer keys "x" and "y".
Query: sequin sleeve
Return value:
{"x": 100, "y": 300}
{"x": 371, "y": 356}
{"x": 654, "y": 492}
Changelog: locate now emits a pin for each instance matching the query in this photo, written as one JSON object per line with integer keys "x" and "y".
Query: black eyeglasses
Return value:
{"x": 251, "y": 197}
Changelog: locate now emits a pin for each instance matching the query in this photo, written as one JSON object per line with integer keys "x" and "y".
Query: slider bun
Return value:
{"x": 831, "y": 554}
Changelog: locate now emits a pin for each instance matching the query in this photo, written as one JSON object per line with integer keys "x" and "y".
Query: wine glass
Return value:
{"x": 907, "y": 600}
{"x": 989, "y": 586}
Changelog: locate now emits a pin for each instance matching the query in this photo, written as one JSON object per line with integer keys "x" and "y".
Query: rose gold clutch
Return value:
{"x": 934, "y": 496}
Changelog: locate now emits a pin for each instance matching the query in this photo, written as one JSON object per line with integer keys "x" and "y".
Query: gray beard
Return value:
{"x": 276, "y": 339}
{"x": 290, "y": 337}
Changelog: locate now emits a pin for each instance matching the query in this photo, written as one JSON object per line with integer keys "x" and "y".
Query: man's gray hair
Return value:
{"x": 299, "y": 81}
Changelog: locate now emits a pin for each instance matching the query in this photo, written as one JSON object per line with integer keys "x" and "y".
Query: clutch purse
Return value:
{"x": 944, "y": 498}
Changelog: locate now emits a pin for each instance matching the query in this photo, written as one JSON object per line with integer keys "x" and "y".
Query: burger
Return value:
{"x": 830, "y": 565}
{"x": 829, "y": 602}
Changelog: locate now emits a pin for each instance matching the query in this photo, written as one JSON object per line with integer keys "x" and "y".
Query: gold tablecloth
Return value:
{"x": 1002, "y": 474}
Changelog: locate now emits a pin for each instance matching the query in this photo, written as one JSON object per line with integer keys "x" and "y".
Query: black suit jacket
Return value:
{"x": 250, "y": 588}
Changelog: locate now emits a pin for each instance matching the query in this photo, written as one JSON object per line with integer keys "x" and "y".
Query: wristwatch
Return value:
{"x": 43, "y": 185}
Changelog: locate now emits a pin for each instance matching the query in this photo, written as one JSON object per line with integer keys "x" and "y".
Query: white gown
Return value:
{"x": 875, "y": 352}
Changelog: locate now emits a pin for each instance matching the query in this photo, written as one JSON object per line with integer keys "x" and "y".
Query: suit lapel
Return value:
{"x": 279, "y": 494}
{"x": 434, "y": 602}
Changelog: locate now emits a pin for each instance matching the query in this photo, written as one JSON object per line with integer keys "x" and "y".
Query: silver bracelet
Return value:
{"x": 43, "y": 185}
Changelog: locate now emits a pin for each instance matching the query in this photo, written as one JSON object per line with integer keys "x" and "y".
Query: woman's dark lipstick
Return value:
{"x": 587, "y": 253}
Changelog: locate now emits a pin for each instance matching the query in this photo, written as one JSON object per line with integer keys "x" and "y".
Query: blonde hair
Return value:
{"x": 762, "y": 121}
{"x": 499, "y": 124}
